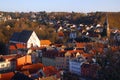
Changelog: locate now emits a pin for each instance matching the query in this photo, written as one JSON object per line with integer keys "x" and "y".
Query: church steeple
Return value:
{"x": 106, "y": 30}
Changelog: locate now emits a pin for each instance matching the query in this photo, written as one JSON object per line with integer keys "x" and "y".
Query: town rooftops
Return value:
{"x": 21, "y": 36}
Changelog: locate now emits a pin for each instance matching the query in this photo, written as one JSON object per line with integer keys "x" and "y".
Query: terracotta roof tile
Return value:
{"x": 18, "y": 45}
{"x": 45, "y": 42}
{"x": 80, "y": 45}
{"x": 49, "y": 70}
{"x": 6, "y": 76}
{"x": 9, "y": 57}
{"x": 60, "y": 34}
{"x": 33, "y": 68}
{"x": 12, "y": 47}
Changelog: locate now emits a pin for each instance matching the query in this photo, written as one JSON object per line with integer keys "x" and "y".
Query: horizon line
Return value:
{"x": 60, "y": 11}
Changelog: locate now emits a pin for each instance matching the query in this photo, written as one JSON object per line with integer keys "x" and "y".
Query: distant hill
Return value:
{"x": 90, "y": 18}
{"x": 99, "y": 18}
{"x": 40, "y": 20}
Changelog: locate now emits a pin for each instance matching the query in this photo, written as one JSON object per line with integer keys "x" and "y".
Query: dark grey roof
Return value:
{"x": 21, "y": 36}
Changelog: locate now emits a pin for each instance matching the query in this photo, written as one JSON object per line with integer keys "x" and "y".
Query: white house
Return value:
{"x": 5, "y": 65}
{"x": 75, "y": 65}
{"x": 26, "y": 37}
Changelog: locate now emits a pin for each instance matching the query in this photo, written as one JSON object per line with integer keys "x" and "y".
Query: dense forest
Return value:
{"x": 40, "y": 22}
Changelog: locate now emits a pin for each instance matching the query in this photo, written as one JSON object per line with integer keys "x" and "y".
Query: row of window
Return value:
{"x": 4, "y": 65}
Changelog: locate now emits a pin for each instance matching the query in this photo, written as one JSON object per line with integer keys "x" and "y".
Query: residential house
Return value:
{"x": 45, "y": 73}
{"x": 73, "y": 35}
{"x": 71, "y": 54}
{"x": 117, "y": 38}
{"x": 75, "y": 65}
{"x": 60, "y": 60}
{"x": 25, "y": 38}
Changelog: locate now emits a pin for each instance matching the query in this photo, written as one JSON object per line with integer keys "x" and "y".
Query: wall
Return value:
{"x": 33, "y": 40}
{"x": 5, "y": 65}
{"x": 48, "y": 61}
{"x": 23, "y": 60}
{"x": 60, "y": 62}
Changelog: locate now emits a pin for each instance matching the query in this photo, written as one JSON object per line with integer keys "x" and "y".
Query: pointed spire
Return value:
{"x": 106, "y": 21}
{"x": 106, "y": 27}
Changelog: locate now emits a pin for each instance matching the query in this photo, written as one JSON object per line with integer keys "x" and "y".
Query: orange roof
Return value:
{"x": 75, "y": 51}
{"x": 9, "y": 57}
{"x": 80, "y": 45}
{"x": 100, "y": 50}
{"x": 18, "y": 45}
{"x": 33, "y": 67}
{"x": 49, "y": 70}
{"x": 45, "y": 42}
{"x": 60, "y": 34}
{"x": 38, "y": 48}
{"x": 6, "y": 76}
{"x": 12, "y": 47}
{"x": 114, "y": 48}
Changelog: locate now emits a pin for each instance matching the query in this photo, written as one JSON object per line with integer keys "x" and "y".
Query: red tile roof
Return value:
{"x": 38, "y": 48}
{"x": 12, "y": 47}
{"x": 114, "y": 48}
{"x": 60, "y": 34}
{"x": 9, "y": 57}
{"x": 6, "y": 76}
{"x": 18, "y": 45}
{"x": 45, "y": 42}
{"x": 49, "y": 70}
{"x": 32, "y": 68}
{"x": 80, "y": 45}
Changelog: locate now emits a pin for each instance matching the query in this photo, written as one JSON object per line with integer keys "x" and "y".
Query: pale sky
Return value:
{"x": 60, "y": 5}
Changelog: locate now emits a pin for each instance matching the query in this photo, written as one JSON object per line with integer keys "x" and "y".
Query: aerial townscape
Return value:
{"x": 41, "y": 45}
{"x": 51, "y": 46}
